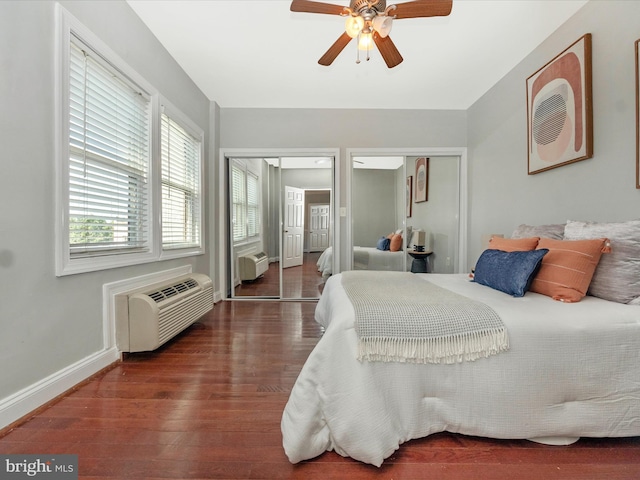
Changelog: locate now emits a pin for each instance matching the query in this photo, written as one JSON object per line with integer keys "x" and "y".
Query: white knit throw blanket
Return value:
{"x": 400, "y": 318}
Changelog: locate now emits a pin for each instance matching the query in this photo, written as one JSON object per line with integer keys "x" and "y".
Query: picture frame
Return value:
{"x": 560, "y": 109}
{"x": 637, "y": 50}
{"x": 409, "y": 195}
{"x": 422, "y": 180}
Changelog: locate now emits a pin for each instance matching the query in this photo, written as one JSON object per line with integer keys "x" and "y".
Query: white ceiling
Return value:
{"x": 259, "y": 54}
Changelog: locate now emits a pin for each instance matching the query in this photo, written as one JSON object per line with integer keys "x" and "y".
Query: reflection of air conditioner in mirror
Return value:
{"x": 253, "y": 265}
{"x": 149, "y": 316}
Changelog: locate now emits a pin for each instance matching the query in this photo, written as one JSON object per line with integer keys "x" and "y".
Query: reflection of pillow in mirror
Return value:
{"x": 409, "y": 231}
{"x": 383, "y": 243}
{"x": 508, "y": 272}
{"x": 396, "y": 243}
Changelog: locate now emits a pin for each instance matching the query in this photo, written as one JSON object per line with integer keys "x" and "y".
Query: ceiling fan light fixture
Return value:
{"x": 354, "y": 25}
{"x": 382, "y": 25}
{"x": 365, "y": 42}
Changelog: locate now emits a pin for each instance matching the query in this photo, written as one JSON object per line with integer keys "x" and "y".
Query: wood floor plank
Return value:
{"x": 208, "y": 405}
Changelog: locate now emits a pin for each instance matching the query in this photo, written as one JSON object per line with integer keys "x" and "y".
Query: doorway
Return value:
{"x": 279, "y": 233}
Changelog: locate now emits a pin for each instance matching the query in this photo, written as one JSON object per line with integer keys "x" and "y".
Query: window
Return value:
{"x": 245, "y": 216}
{"x": 109, "y": 157}
{"x": 253, "y": 206}
{"x": 181, "y": 197}
{"x": 239, "y": 200}
{"x": 129, "y": 179}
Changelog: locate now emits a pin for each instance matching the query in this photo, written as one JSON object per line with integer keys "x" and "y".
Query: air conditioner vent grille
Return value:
{"x": 171, "y": 290}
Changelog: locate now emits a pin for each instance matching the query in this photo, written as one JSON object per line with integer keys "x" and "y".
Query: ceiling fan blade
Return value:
{"x": 388, "y": 50}
{"x": 308, "y": 6}
{"x": 422, "y": 8}
{"x": 335, "y": 49}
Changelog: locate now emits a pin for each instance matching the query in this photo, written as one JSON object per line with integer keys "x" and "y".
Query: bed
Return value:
{"x": 570, "y": 371}
{"x": 364, "y": 258}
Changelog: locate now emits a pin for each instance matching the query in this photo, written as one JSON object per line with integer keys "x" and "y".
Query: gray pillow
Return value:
{"x": 555, "y": 231}
{"x": 617, "y": 277}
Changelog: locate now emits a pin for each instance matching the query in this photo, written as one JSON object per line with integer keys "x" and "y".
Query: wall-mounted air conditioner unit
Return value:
{"x": 149, "y": 316}
{"x": 253, "y": 265}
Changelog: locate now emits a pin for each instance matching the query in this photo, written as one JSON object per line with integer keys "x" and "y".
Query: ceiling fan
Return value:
{"x": 370, "y": 21}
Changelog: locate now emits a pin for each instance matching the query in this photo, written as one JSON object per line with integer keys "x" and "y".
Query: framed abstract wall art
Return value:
{"x": 559, "y": 109}
{"x": 422, "y": 180}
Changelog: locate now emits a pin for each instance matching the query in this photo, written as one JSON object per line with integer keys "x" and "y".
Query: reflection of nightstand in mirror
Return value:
{"x": 420, "y": 259}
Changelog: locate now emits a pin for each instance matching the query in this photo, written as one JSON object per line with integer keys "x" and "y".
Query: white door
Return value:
{"x": 319, "y": 217}
{"x": 293, "y": 235}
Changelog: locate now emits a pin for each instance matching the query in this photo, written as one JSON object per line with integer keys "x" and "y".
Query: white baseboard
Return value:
{"x": 16, "y": 406}
{"x": 217, "y": 296}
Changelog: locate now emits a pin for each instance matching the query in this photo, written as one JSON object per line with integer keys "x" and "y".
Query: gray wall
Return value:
{"x": 373, "y": 208}
{"x": 438, "y": 216}
{"x": 50, "y": 323}
{"x": 602, "y": 188}
{"x": 335, "y": 128}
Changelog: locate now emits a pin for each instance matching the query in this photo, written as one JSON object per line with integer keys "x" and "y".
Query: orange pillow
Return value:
{"x": 396, "y": 243}
{"x": 513, "y": 244}
{"x": 566, "y": 271}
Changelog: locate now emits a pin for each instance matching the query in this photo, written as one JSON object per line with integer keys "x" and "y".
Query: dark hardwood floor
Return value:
{"x": 299, "y": 282}
{"x": 208, "y": 404}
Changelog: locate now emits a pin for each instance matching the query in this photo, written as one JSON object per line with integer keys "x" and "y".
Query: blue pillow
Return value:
{"x": 383, "y": 243}
{"x": 509, "y": 272}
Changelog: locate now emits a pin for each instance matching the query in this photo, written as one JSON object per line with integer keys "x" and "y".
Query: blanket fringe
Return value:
{"x": 447, "y": 350}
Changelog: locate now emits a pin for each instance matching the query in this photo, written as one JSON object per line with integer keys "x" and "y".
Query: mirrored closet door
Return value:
{"x": 280, "y": 223}
{"x": 378, "y": 213}
{"x": 411, "y": 199}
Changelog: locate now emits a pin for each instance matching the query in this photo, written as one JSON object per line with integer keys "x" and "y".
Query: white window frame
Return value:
{"x": 254, "y": 208}
{"x": 66, "y": 26}
{"x": 192, "y": 129}
{"x": 247, "y": 171}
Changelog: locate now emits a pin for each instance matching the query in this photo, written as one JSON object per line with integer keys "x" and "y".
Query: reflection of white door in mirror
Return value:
{"x": 318, "y": 227}
{"x": 293, "y": 235}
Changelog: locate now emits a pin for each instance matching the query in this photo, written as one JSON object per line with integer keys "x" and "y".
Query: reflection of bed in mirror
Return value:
{"x": 364, "y": 258}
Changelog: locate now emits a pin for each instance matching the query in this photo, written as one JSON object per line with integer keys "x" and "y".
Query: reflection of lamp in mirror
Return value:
{"x": 419, "y": 240}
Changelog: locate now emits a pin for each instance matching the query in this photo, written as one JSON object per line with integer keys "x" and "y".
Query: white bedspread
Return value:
{"x": 364, "y": 258}
{"x": 572, "y": 370}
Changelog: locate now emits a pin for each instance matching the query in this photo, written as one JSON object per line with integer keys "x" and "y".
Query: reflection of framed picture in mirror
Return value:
{"x": 559, "y": 109}
{"x": 422, "y": 180}
{"x": 637, "y": 113}
{"x": 409, "y": 195}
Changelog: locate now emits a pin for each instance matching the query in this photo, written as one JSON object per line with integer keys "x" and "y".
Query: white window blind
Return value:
{"x": 253, "y": 206}
{"x": 239, "y": 200}
{"x": 180, "y": 154}
{"x": 108, "y": 158}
